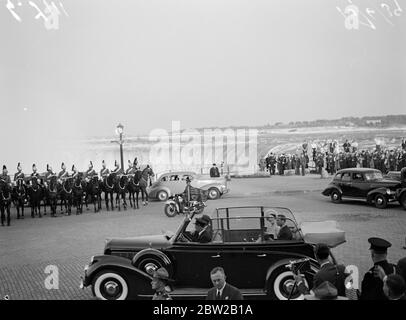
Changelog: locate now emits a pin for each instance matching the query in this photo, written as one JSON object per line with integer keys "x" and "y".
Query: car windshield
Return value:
{"x": 374, "y": 175}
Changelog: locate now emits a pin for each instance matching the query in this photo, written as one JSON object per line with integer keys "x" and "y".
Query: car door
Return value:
{"x": 193, "y": 263}
{"x": 176, "y": 185}
{"x": 358, "y": 184}
{"x": 346, "y": 183}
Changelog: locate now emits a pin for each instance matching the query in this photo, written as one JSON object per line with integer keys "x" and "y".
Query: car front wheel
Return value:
{"x": 281, "y": 285}
{"x": 162, "y": 195}
{"x": 110, "y": 285}
{"x": 380, "y": 201}
{"x": 335, "y": 196}
{"x": 214, "y": 193}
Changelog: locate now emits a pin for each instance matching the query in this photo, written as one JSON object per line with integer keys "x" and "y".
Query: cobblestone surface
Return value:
{"x": 28, "y": 246}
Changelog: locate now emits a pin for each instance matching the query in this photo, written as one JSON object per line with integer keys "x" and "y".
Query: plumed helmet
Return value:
{"x": 19, "y": 166}
{"x": 34, "y": 166}
{"x": 4, "y": 167}
{"x": 115, "y": 163}
{"x": 91, "y": 164}
{"x": 135, "y": 161}
{"x": 47, "y": 167}
{"x": 73, "y": 168}
{"x": 62, "y": 165}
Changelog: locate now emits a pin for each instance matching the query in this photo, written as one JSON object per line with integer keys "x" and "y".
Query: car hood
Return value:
{"x": 385, "y": 183}
{"x": 142, "y": 242}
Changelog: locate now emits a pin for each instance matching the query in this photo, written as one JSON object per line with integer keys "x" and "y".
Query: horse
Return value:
{"x": 78, "y": 192}
{"x": 5, "y": 201}
{"x": 93, "y": 190}
{"x": 133, "y": 189}
{"x": 108, "y": 188}
{"x": 120, "y": 188}
{"x": 65, "y": 194}
{"x": 52, "y": 194}
{"x": 36, "y": 194}
{"x": 19, "y": 197}
{"x": 142, "y": 177}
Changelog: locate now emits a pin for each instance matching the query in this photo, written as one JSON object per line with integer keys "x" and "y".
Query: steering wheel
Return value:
{"x": 184, "y": 238}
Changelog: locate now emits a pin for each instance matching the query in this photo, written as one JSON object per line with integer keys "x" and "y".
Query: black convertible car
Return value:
{"x": 366, "y": 184}
{"x": 257, "y": 265}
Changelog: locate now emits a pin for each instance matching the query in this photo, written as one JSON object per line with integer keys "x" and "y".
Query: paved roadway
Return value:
{"x": 28, "y": 246}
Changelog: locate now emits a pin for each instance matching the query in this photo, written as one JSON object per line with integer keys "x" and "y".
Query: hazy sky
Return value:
{"x": 203, "y": 62}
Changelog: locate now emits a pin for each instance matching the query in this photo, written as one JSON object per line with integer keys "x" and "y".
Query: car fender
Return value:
{"x": 155, "y": 191}
{"x": 218, "y": 186}
{"x": 371, "y": 194}
{"x": 286, "y": 261}
{"x": 110, "y": 262}
{"x": 151, "y": 252}
{"x": 330, "y": 189}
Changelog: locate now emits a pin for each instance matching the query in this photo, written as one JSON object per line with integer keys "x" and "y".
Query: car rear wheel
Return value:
{"x": 110, "y": 285}
{"x": 335, "y": 196}
{"x": 170, "y": 210}
{"x": 214, "y": 193}
{"x": 380, "y": 201}
{"x": 281, "y": 285}
{"x": 162, "y": 195}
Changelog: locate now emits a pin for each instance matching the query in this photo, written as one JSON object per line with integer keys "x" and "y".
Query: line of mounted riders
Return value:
{"x": 72, "y": 190}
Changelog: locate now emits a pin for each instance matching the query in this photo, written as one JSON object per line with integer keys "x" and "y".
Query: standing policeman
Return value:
{"x": 372, "y": 285}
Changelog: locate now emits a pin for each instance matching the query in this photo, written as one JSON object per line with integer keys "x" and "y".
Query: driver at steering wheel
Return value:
{"x": 202, "y": 233}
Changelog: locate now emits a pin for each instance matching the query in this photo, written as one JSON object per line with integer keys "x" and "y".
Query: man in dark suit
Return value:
{"x": 202, "y": 233}
{"x": 335, "y": 274}
{"x": 394, "y": 287}
{"x": 372, "y": 285}
{"x": 221, "y": 289}
{"x": 284, "y": 232}
{"x": 214, "y": 171}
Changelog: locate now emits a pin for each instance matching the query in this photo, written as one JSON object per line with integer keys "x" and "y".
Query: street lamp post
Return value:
{"x": 119, "y": 132}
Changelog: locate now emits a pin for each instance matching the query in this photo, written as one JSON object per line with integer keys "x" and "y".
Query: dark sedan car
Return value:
{"x": 363, "y": 183}
{"x": 256, "y": 264}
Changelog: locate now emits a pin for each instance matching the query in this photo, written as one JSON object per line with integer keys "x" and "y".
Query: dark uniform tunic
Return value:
{"x": 18, "y": 175}
{"x": 371, "y": 286}
{"x": 5, "y": 178}
{"x": 63, "y": 174}
{"x": 104, "y": 173}
{"x": 90, "y": 173}
{"x": 130, "y": 170}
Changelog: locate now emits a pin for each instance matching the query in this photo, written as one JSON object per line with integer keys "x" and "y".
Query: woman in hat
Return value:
{"x": 160, "y": 283}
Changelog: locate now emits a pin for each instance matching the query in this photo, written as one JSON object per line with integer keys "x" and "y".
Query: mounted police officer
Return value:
{"x": 131, "y": 168}
{"x": 4, "y": 177}
{"x": 63, "y": 173}
{"x": 372, "y": 285}
{"x": 90, "y": 173}
{"x": 75, "y": 172}
{"x": 116, "y": 169}
{"x": 19, "y": 174}
{"x": 104, "y": 172}
{"x": 34, "y": 171}
{"x": 49, "y": 173}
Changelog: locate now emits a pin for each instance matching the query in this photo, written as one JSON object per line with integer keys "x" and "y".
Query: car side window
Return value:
{"x": 338, "y": 176}
{"x": 174, "y": 177}
{"x": 164, "y": 179}
{"x": 357, "y": 176}
{"x": 346, "y": 176}
{"x": 187, "y": 176}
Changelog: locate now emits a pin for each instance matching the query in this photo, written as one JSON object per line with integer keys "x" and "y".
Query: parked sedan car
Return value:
{"x": 363, "y": 183}
{"x": 257, "y": 265}
{"x": 172, "y": 183}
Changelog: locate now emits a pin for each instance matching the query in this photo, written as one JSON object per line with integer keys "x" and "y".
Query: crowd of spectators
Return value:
{"x": 333, "y": 158}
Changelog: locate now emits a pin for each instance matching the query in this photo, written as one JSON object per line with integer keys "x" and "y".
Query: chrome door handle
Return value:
{"x": 216, "y": 256}
{"x": 261, "y": 255}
